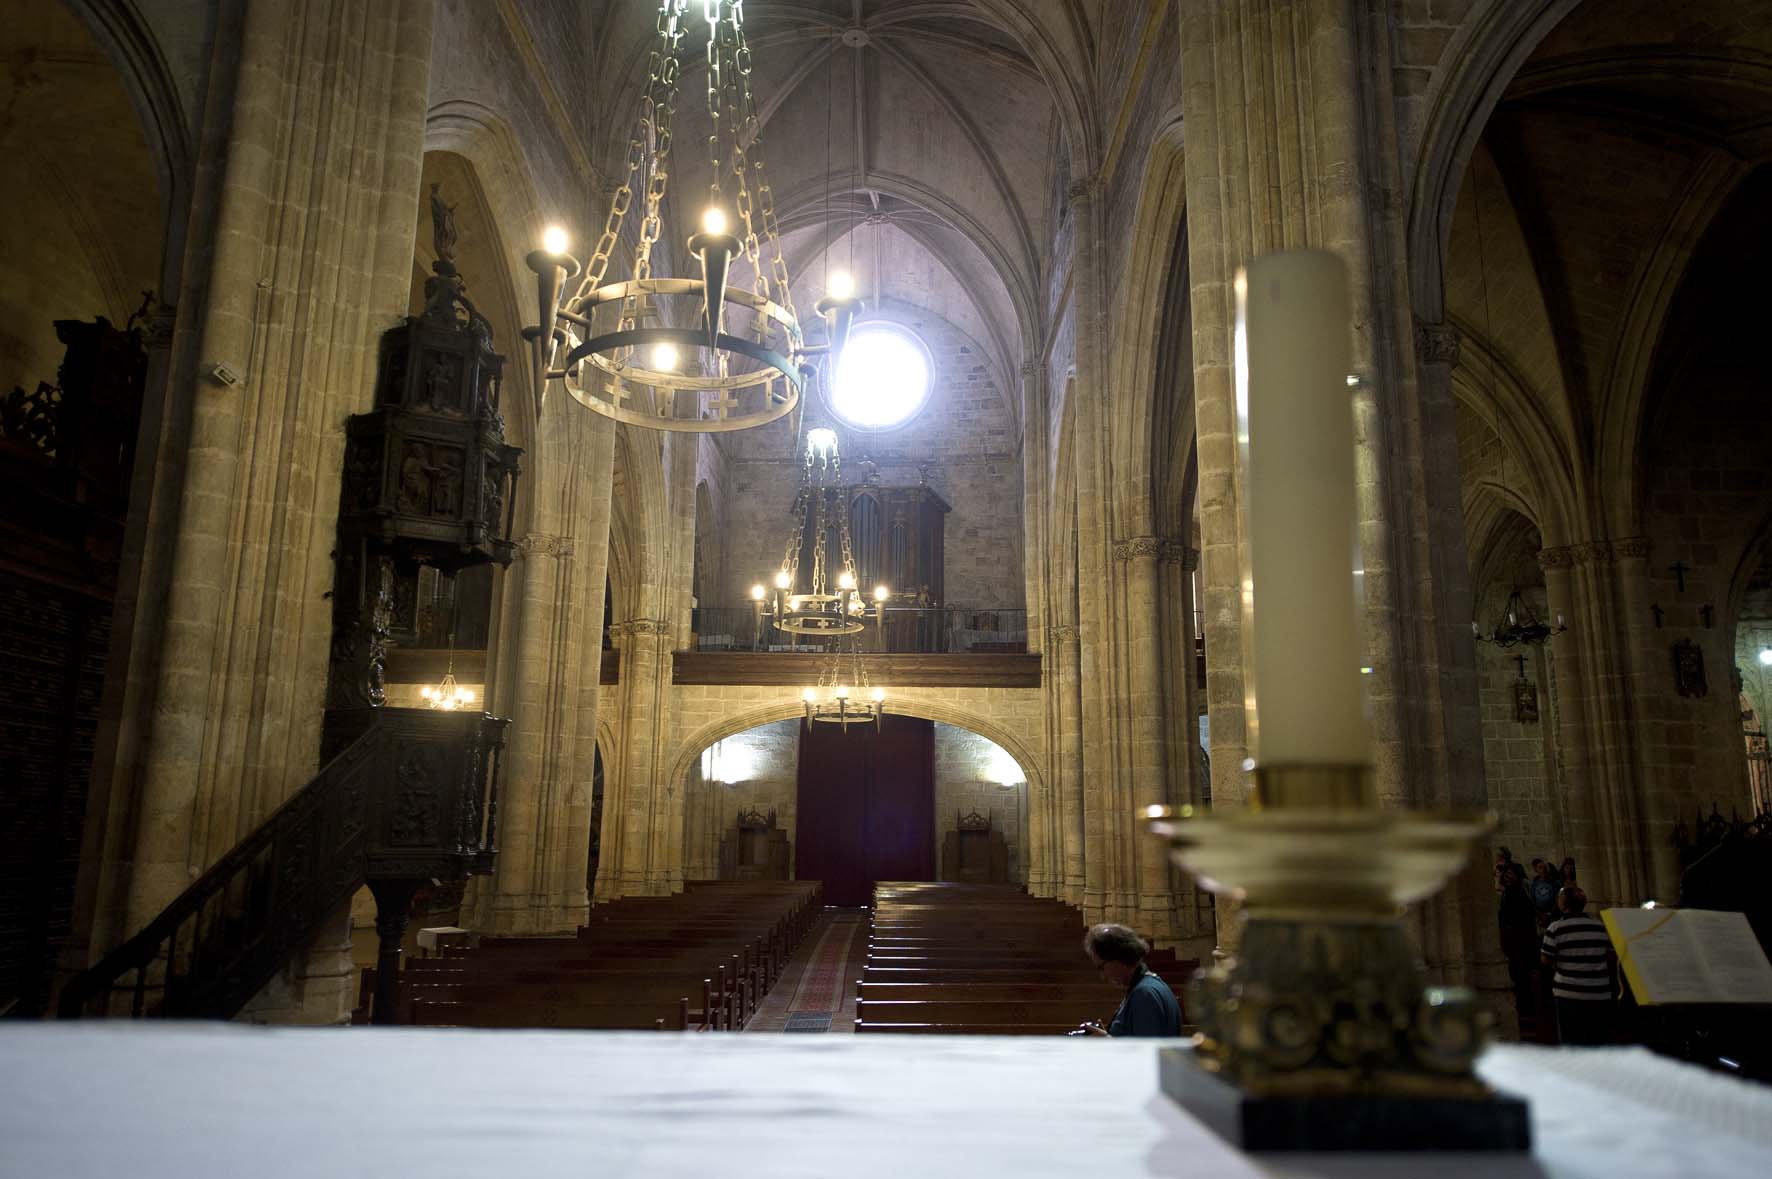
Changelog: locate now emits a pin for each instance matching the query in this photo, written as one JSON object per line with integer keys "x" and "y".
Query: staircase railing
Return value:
{"x": 413, "y": 794}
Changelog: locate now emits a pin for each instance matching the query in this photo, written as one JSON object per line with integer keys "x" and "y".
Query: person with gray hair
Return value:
{"x": 1149, "y": 1008}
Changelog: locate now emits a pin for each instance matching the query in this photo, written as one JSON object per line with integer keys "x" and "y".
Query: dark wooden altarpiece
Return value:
{"x": 67, "y": 451}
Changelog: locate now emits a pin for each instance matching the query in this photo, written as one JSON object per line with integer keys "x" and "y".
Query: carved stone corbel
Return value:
{"x": 1436, "y": 343}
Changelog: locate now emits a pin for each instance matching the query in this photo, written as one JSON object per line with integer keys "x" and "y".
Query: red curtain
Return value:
{"x": 866, "y": 807}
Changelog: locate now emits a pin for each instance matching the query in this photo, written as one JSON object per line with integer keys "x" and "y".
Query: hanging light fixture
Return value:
{"x": 1520, "y": 625}
{"x": 754, "y": 362}
{"x": 448, "y": 695}
{"x": 839, "y": 307}
{"x": 832, "y": 602}
{"x": 844, "y": 700}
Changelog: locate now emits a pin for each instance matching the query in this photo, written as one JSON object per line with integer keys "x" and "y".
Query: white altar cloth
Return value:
{"x": 113, "y": 1100}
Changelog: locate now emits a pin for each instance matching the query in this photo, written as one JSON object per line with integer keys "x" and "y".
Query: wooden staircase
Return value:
{"x": 411, "y": 796}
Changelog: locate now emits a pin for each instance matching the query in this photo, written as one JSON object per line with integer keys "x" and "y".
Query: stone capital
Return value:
{"x": 1436, "y": 343}
{"x": 1594, "y": 552}
{"x": 1061, "y": 634}
{"x": 1082, "y": 189}
{"x": 544, "y": 544}
{"x": 640, "y": 626}
{"x": 1156, "y": 548}
{"x": 1177, "y": 552}
{"x": 157, "y": 325}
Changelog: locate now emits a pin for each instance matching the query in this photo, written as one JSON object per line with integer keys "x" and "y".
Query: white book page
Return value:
{"x": 1668, "y": 964}
{"x": 1731, "y": 955}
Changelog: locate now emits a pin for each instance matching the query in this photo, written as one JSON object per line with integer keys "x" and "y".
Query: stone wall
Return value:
{"x": 1707, "y": 492}
{"x": 969, "y": 778}
{"x": 964, "y": 443}
{"x": 1753, "y": 634}
{"x": 1705, "y": 500}
{"x": 1519, "y": 758}
{"x": 758, "y": 769}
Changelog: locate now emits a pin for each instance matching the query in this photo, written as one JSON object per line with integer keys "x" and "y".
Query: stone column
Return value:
{"x": 635, "y": 806}
{"x": 548, "y": 648}
{"x": 311, "y": 261}
{"x": 1193, "y": 905}
{"x": 1105, "y": 882}
{"x": 1042, "y": 850}
{"x": 1291, "y": 145}
{"x": 1600, "y": 717}
{"x": 1649, "y": 864}
{"x": 1066, "y": 651}
{"x": 1456, "y": 926}
{"x": 1145, "y": 762}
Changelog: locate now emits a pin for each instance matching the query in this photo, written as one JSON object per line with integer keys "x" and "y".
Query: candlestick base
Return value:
{"x": 1320, "y": 1035}
{"x": 1351, "y": 1121}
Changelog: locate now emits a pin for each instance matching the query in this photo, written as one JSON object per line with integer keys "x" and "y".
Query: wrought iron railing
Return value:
{"x": 415, "y": 793}
{"x": 951, "y": 630}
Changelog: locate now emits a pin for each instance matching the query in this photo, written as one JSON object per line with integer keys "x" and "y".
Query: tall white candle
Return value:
{"x": 1296, "y": 431}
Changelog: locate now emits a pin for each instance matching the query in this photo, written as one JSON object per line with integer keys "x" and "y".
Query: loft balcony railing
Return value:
{"x": 938, "y": 630}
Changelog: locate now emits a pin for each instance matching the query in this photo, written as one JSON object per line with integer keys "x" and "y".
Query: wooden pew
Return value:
{"x": 506, "y": 1013}
{"x": 712, "y": 1006}
{"x": 702, "y": 958}
{"x": 983, "y": 959}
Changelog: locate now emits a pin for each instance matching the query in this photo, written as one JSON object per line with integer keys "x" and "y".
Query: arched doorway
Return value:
{"x": 866, "y": 801}
{"x": 828, "y": 806}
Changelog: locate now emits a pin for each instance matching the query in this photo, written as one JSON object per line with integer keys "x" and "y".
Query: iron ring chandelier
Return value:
{"x": 748, "y": 375}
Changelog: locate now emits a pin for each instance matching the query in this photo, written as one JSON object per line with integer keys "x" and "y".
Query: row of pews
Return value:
{"x": 984, "y": 959}
{"x": 701, "y": 960}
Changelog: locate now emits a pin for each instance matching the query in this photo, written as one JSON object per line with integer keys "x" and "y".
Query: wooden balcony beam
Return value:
{"x": 801, "y": 668}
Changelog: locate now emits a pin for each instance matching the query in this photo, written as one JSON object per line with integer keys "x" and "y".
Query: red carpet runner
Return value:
{"x": 821, "y": 998}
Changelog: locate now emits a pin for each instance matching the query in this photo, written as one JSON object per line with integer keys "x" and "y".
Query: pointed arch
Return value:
{"x": 1482, "y": 58}
{"x": 1623, "y": 413}
{"x": 1507, "y": 406}
{"x": 1153, "y": 334}
{"x": 512, "y": 211}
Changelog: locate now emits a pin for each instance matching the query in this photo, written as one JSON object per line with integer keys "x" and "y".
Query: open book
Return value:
{"x": 1689, "y": 956}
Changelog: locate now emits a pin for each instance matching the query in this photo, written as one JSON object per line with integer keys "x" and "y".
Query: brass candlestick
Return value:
{"x": 1320, "y": 1034}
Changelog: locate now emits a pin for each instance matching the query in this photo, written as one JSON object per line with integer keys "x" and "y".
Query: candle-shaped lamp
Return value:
{"x": 1318, "y": 1033}
{"x": 1296, "y": 433}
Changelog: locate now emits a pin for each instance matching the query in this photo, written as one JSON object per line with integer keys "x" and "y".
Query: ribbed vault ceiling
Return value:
{"x": 911, "y": 142}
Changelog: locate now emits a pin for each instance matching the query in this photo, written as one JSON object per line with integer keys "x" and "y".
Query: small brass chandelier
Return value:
{"x": 448, "y": 696}
{"x": 615, "y": 339}
{"x": 1521, "y": 626}
{"x": 844, "y": 700}
{"x": 832, "y": 603}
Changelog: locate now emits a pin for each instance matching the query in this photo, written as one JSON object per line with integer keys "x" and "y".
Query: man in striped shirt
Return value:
{"x": 1577, "y": 947}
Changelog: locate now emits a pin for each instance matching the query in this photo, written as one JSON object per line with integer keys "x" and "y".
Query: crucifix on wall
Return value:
{"x": 1525, "y": 696}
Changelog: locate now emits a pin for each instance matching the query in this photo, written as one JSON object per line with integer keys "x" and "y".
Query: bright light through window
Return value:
{"x": 882, "y": 379}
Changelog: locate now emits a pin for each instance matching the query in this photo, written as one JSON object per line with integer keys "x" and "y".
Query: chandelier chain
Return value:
{"x": 757, "y": 371}
{"x": 790, "y": 560}
{"x": 716, "y": 56}
{"x": 843, "y": 518}
{"x": 750, "y": 135}
{"x": 821, "y": 529}
{"x": 670, "y": 32}
{"x": 658, "y": 111}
